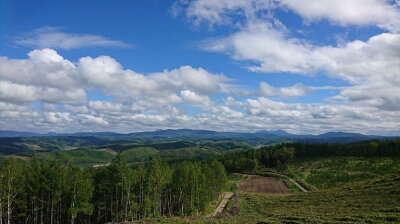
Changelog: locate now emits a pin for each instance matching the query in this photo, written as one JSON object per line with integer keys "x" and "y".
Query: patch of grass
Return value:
{"x": 292, "y": 187}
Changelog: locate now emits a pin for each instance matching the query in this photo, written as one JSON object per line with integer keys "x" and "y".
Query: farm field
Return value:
{"x": 263, "y": 185}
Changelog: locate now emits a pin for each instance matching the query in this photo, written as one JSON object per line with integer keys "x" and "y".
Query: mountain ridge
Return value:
{"x": 194, "y": 133}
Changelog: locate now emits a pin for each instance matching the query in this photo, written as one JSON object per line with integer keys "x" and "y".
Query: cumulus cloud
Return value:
{"x": 157, "y": 88}
{"x": 382, "y": 13}
{"x": 46, "y": 76}
{"x": 194, "y": 98}
{"x": 20, "y": 93}
{"x": 143, "y": 102}
{"x": 54, "y": 37}
{"x": 371, "y": 67}
{"x": 56, "y": 117}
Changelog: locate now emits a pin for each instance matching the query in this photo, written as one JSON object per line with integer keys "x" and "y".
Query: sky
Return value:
{"x": 303, "y": 66}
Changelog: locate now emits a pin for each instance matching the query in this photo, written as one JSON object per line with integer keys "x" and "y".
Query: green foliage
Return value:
{"x": 138, "y": 154}
{"x": 280, "y": 156}
{"x": 277, "y": 157}
{"x": 77, "y": 156}
{"x": 44, "y": 191}
{"x": 363, "y": 149}
{"x": 335, "y": 171}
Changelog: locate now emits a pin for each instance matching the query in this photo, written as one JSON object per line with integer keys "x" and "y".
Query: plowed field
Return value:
{"x": 264, "y": 185}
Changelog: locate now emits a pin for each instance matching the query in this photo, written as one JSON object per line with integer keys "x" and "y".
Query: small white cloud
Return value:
{"x": 192, "y": 97}
{"x": 90, "y": 119}
{"x": 296, "y": 90}
{"x": 53, "y": 37}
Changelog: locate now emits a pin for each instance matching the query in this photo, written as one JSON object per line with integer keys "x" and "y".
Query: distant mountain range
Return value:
{"x": 212, "y": 135}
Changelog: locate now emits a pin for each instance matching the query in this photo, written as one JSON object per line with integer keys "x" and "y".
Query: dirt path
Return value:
{"x": 264, "y": 185}
{"x": 222, "y": 204}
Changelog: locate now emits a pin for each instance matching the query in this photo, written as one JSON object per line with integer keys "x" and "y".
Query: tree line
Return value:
{"x": 280, "y": 155}
{"x": 267, "y": 156}
{"x": 373, "y": 148}
{"x": 41, "y": 192}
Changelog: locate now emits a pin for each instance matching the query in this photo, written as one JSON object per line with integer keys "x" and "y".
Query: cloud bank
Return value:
{"x": 48, "y": 92}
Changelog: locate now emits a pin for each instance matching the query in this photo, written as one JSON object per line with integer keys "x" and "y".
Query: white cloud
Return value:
{"x": 296, "y": 90}
{"x": 90, "y": 119}
{"x": 46, "y": 76}
{"x": 194, "y": 98}
{"x": 217, "y": 12}
{"x": 158, "y": 88}
{"x": 53, "y": 37}
{"x": 57, "y": 117}
{"x": 19, "y": 93}
{"x": 114, "y": 108}
{"x": 382, "y": 13}
{"x": 143, "y": 102}
{"x": 372, "y": 66}
{"x": 42, "y": 68}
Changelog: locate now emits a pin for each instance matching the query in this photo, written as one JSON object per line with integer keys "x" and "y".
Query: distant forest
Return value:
{"x": 279, "y": 156}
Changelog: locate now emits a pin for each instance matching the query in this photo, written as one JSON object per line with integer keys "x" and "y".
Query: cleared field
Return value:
{"x": 263, "y": 185}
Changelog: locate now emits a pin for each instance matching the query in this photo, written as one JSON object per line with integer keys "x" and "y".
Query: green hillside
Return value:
{"x": 78, "y": 156}
{"x": 325, "y": 173}
{"x": 138, "y": 154}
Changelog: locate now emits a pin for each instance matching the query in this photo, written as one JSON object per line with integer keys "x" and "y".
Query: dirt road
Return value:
{"x": 222, "y": 204}
{"x": 264, "y": 185}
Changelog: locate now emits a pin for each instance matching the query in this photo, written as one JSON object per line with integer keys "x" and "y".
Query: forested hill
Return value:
{"x": 92, "y": 147}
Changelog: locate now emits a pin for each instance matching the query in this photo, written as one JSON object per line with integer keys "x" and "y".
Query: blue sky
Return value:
{"x": 251, "y": 65}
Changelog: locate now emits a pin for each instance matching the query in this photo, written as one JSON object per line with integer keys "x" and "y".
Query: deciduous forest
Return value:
{"x": 53, "y": 192}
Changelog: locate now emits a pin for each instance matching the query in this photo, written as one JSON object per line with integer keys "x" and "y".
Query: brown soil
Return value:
{"x": 264, "y": 185}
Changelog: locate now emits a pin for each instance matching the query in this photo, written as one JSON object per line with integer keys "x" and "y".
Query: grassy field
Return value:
{"x": 372, "y": 201}
{"x": 325, "y": 173}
